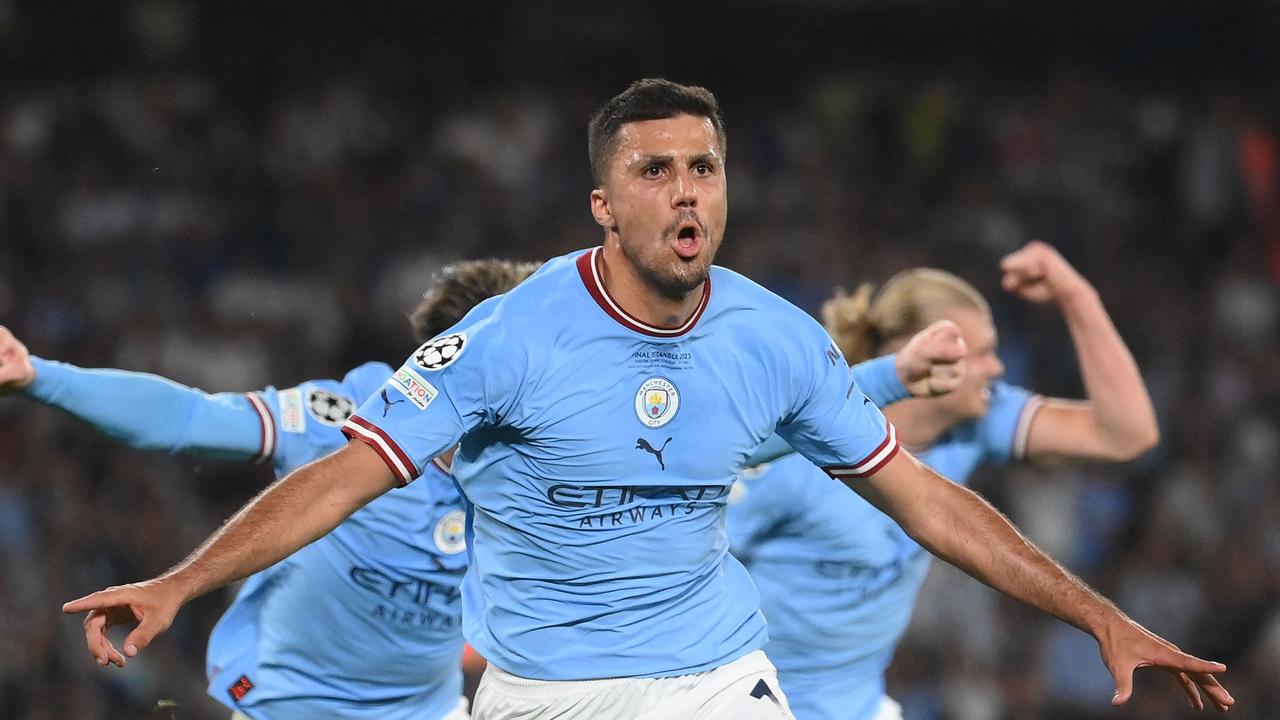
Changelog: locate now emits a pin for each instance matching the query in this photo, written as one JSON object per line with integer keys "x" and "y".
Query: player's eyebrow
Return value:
{"x": 707, "y": 157}
{"x": 668, "y": 159}
{"x": 654, "y": 159}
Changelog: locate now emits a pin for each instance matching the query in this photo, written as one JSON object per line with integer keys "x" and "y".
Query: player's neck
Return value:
{"x": 639, "y": 299}
{"x": 919, "y": 424}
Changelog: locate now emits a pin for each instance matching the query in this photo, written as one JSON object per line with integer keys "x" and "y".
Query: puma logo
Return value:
{"x": 388, "y": 402}
{"x": 642, "y": 444}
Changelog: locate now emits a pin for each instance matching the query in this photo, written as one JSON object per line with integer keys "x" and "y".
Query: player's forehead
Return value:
{"x": 681, "y": 136}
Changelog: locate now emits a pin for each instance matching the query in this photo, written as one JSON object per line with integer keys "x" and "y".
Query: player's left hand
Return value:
{"x": 1127, "y": 646}
{"x": 16, "y": 371}
{"x": 1039, "y": 274}
{"x": 932, "y": 361}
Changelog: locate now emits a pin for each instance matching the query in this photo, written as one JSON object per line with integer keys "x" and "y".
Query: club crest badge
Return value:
{"x": 451, "y": 532}
{"x": 657, "y": 402}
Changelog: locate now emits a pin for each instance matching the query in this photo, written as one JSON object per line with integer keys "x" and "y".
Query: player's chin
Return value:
{"x": 980, "y": 407}
{"x": 689, "y": 274}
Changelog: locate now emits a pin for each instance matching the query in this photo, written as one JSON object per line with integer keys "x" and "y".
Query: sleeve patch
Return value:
{"x": 330, "y": 408}
{"x": 413, "y": 386}
{"x": 292, "y": 419}
{"x": 441, "y": 352}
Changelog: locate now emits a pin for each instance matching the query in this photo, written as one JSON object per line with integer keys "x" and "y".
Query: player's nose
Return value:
{"x": 997, "y": 367}
{"x": 684, "y": 192}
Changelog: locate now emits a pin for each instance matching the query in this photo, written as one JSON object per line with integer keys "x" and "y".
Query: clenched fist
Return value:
{"x": 932, "y": 362}
{"x": 16, "y": 371}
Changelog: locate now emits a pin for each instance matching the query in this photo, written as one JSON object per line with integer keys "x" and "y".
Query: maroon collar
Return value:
{"x": 589, "y": 270}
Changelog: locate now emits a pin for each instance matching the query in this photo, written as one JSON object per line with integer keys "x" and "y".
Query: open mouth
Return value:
{"x": 688, "y": 241}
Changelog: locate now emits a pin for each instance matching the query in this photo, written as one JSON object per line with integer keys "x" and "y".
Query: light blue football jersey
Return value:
{"x": 838, "y": 579}
{"x": 366, "y": 621}
{"x": 363, "y": 623}
{"x": 597, "y": 454}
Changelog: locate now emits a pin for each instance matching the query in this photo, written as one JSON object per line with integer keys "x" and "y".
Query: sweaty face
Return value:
{"x": 973, "y": 398}
{"x": 665, "y": 197}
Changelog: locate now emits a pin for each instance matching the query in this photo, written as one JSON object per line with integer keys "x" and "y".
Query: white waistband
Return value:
{"x": 516, "y": 686}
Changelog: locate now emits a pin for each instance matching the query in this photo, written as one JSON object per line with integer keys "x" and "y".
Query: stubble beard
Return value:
{"x": 672, "y": 278}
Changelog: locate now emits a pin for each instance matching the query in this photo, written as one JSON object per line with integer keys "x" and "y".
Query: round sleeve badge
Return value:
{"x": 439, "y": 353}
{"x": 330, "y": 408}
{"x": 657, "y": 402}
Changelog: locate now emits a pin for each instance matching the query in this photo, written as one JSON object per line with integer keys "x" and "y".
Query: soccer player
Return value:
{"x": 380, "y": 591}
{"x": 605, "y": 407}
{"x": 384, "y": 583}
{"x": 837, "y": 577}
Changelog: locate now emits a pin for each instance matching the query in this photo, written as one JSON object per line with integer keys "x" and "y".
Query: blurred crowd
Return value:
{"x": 233, "y": 224}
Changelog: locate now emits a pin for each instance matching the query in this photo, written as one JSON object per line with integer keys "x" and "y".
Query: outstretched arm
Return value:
{"x": 1117, "y": 421}
{"x": 296, "y": 510}
{"x": 958, "y": 526}
{"x": 143, "y": 411}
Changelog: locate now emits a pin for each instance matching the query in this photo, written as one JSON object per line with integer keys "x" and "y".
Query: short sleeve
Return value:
{"x": 447, "y": 387}
{"x": 1003, "y": 431}
{"x": 879, "y": 380}
{"x": 305, "y": 422}
{"x": 832, "y": 422}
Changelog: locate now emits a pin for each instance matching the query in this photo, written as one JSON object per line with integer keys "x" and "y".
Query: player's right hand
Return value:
{"x": 16, "y": 371}
{"x": 932, "y": 362}
{"x": 151, "y": 604}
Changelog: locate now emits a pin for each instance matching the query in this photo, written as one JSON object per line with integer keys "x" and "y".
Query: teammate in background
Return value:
{"x": 837, "y": 577}
{"x": 601, "y": 584}
{"x": 380, "y": 591}
{"x": 389, "y": 575}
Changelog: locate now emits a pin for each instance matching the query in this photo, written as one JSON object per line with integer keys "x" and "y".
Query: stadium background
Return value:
{"x": 238, "y": 193}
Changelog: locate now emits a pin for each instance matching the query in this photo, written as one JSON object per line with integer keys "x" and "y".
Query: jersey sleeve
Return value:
{"x": 1004, "y": 429}
{"x": 304, "y": 423}
{"x": 831, "y": 421}
{"x": 879, "y": 380}
{"x": 150, "y": 412}
{"x": 453, "y": 383}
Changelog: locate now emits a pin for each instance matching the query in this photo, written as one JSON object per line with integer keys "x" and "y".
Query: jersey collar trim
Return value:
{"x": 589, "y": 271}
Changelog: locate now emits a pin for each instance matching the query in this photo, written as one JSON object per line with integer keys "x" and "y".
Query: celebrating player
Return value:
{"x": 381, "y": 590}
{"x": 604, "y": 408}
{"x": 838, "y": 578}
{"x": 385, "y": 582}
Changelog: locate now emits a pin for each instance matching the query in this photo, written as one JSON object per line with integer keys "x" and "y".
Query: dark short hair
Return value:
{"x": 647, "y": 99}
{"x": 461, "y": 286}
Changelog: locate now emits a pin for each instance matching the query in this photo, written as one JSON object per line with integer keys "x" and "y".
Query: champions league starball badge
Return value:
{"x": 440, "y": 353}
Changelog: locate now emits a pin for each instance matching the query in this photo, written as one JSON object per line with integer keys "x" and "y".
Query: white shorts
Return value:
{"x": 889, "y": 709}
{"x": 745, "y": 689}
